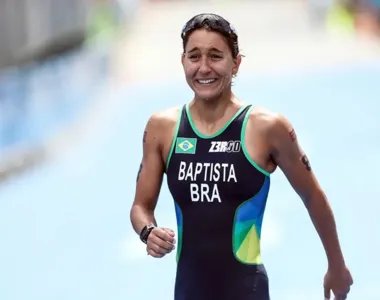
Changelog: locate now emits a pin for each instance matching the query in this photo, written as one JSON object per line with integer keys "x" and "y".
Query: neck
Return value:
{"x": 210, "y": 111}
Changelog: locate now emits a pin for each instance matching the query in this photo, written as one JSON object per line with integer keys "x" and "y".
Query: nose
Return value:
{"x": 204, "y": 67}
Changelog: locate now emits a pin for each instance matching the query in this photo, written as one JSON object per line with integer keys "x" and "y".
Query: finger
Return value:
{"x": 163, "y": 235}
{"x": 170, "y": 232}
{"x": 166, "y": 234}
{"x": 160, "y": 245}
{"x": 341, "y": 297}
{"x": 159, "y": 249}
{"x": 153, "y": 253}
{"x": 342, "y": 294}
{"x": 327, "y": 293}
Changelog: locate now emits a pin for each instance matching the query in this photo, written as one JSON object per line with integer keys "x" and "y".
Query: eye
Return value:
{"x": 216, "y": 56}
{"x": 194, "y": 56}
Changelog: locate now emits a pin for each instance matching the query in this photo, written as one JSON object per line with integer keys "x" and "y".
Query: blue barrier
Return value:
{"x": 36, "y": 101}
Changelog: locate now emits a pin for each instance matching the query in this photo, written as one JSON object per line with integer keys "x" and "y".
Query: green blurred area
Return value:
{"x": 349, "y": 17}
{"x": 104, "y": 23}
{"x": 340, "y": 20}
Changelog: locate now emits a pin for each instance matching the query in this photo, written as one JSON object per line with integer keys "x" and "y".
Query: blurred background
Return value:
{"x": 78, "y": 80}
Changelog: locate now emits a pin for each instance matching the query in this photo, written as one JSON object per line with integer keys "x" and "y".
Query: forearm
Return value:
{"x": 140, "y": 217}
{"x": 324, "y": 222}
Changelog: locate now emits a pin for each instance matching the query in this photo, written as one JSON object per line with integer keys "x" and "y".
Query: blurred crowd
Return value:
{"x": 351, "y": 16}
{"x": 56, "y": 49}
{"x": 53, "y": 59}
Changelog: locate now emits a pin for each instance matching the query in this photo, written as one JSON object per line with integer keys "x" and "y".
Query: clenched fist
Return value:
{"x": 160, "y": 242}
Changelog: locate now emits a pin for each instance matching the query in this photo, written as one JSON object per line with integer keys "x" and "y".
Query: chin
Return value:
{"x": 208, "y": 97}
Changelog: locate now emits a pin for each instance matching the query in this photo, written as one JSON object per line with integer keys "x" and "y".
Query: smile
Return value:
{"x": 206, "y": 81}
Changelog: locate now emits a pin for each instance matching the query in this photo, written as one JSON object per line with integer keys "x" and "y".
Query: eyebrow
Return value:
{"x": 212, "y": 49}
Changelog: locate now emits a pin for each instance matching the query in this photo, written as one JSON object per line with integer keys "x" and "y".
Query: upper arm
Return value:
{"x": 151, "y": 170}
{"x": 289, "y": 156}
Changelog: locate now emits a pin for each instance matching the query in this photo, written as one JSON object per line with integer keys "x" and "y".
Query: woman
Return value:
{"x": 218, "y": 154}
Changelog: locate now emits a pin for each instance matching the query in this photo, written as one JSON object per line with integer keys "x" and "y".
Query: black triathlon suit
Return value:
{"x": 220, "y": 195}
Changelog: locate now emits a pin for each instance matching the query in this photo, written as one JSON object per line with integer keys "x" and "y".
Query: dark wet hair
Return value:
{"x": 215, "y": 23}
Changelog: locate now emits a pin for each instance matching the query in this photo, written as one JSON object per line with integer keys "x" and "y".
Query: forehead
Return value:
{"x": 205, "y": 40}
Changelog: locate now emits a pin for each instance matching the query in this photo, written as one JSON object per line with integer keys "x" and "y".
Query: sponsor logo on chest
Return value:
{"x": 224, "y": 146}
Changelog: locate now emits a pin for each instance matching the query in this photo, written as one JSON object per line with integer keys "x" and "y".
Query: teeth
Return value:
{"x": 206, "y": 81}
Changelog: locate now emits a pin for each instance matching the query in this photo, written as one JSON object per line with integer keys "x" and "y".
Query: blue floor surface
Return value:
{"x": 65, "y": 230}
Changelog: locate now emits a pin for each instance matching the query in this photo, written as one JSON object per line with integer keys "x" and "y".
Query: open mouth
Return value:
{"x": 206, "y": 81}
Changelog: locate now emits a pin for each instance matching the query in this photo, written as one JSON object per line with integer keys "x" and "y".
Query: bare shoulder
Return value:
{"x": 263, "y": 119}
{"x": 166, "y": 117}
{"x": 259, "y": 137}
{"x": 267, "y": 119}
{"x": 163, "y": 120}
{"x": 273, "y": 126}
{"x": 160, "y": 129}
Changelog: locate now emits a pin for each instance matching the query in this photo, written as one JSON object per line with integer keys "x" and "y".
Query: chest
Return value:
{"x": 211, "y": 170}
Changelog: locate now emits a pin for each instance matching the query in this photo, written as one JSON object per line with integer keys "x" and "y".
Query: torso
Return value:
{"x": 256, "y": 137}
{"x": 219, "y": 213}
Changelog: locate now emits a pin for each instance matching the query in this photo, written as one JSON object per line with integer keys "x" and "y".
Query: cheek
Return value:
{"x": 226, "y": 74}
{"x": 190, "y": 70}
{"x": 224, "y": 70}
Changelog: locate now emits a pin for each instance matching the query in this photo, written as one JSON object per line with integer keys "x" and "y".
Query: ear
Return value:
{"x": 236, "y": 67}
{"x": 182, "y": 58}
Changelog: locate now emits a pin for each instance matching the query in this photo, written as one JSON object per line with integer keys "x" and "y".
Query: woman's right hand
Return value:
{"x": 160, "y": 242}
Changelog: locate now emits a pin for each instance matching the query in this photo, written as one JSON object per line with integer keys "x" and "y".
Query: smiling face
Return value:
{"x": 208, "y": 64}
